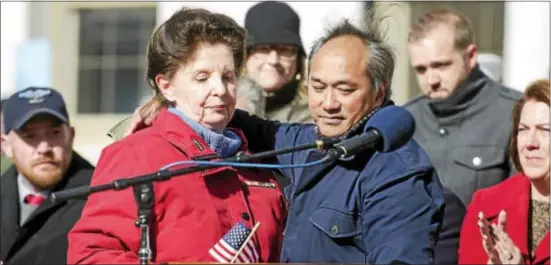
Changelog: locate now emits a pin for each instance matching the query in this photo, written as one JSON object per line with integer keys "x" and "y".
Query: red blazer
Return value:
{"x": 192, "y": 212}
{"x": 513, "y": 196}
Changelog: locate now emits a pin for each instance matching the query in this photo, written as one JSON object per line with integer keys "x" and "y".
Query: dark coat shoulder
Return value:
{"x": 42, "y": 239}
{"x": 448, "y": 238}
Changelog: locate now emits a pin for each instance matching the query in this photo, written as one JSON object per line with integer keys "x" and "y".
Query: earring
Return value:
{"x": 297, "y": 77}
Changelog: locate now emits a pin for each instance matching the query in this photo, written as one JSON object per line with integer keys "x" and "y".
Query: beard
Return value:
{"x": 43, "y": 176}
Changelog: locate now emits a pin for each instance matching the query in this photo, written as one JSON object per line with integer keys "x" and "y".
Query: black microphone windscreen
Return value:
{"x": 395, "y": 125}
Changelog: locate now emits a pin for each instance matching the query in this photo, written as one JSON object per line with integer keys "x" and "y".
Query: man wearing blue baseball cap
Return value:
{"x": 38, "y": 139}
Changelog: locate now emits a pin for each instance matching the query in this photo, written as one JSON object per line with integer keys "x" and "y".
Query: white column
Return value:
{"x": 525, "y": 43}
{"x": 315, "y": 16}
{"x": 15, "y": 30}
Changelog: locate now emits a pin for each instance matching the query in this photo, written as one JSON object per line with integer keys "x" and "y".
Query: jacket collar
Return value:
{"x": 358, "y": 127}
{"x": 357, "y": 161}
{"x": 187, "y": 141}
{"x": 9, "y": 200}
{"x": 470, "y": 97}
{"x": 25, "y": 188}
{"x": 519, "y": 208}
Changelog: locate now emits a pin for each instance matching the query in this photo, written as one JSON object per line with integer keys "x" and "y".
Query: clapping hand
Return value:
{"x": 497, "y": 243}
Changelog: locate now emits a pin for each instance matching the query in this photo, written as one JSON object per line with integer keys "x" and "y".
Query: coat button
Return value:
{"x": 334, "y": 229}
{"x": 245, "y": 216}
{"x": 477, "y": 161}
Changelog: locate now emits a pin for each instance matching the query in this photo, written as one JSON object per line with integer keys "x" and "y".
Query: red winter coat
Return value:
{"x": 513, "y": 196}
{"x": 192, "y": 212}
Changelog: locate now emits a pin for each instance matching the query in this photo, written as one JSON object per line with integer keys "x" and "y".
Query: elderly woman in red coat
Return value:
{"x": 509, "y": 222}
{"x": 215, "y": 215}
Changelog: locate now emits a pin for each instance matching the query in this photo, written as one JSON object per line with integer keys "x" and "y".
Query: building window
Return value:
{"x": 112, "y": 60}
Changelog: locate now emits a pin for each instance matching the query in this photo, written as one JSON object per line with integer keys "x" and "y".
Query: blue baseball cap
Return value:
{"x": 26, "y": 104}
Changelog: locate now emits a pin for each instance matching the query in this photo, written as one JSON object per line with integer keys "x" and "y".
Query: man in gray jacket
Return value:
{"x": 464, "y": 118}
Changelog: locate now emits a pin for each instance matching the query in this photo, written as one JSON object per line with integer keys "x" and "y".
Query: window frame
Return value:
{"x": 105, "y": 101}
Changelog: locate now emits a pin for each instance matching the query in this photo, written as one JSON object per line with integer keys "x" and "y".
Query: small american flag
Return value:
{"x": 225, "y": 250}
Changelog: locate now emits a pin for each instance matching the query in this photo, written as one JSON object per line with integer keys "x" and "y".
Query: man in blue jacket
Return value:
{"x": 376, "y": 208}
{"x": 373, "y": 208}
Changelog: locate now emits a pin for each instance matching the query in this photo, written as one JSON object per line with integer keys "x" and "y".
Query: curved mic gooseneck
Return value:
{"x": 240, "y": 160}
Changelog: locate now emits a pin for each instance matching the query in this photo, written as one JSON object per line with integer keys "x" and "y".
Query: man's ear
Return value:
{"x": 71, "y": 134}
{"x": 380, "y": 95}
{"x": 472, "y": 55}
{"x": 6, "y": 146}
{"x": 165, "y": 86}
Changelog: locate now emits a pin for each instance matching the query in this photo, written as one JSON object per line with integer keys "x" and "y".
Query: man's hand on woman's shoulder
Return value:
{"x": 142, "y": 118}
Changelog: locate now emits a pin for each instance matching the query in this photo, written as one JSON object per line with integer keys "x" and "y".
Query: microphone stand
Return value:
{"x": 144, "y": 196}
{"x": 143, "y": 188}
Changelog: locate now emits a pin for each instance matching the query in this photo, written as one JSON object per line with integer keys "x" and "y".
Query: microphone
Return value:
{"x": 389, "y": 129}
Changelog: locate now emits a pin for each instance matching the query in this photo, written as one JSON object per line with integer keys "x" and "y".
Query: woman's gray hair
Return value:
{"x": 381, "y": 57}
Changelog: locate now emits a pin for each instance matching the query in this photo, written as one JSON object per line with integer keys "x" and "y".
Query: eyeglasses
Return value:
{"x": 284, "y": 51}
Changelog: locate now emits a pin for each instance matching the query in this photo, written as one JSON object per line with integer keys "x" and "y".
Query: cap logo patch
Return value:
{"x": 35, "y": 96}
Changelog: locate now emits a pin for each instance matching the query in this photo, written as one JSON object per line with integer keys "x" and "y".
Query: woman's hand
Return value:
{"x": 497, "y": 243}
{"x": 488, "y": 241}
{"x": 507, "y": 251}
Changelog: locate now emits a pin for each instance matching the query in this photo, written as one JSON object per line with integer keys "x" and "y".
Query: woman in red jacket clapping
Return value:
{"x": 509, "y": 222}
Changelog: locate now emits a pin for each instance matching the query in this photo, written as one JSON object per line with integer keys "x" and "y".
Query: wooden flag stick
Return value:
{"x": 245, "y": 243}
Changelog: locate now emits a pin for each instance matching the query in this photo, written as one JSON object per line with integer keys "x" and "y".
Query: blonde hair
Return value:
{"x": 461, "y": 24}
